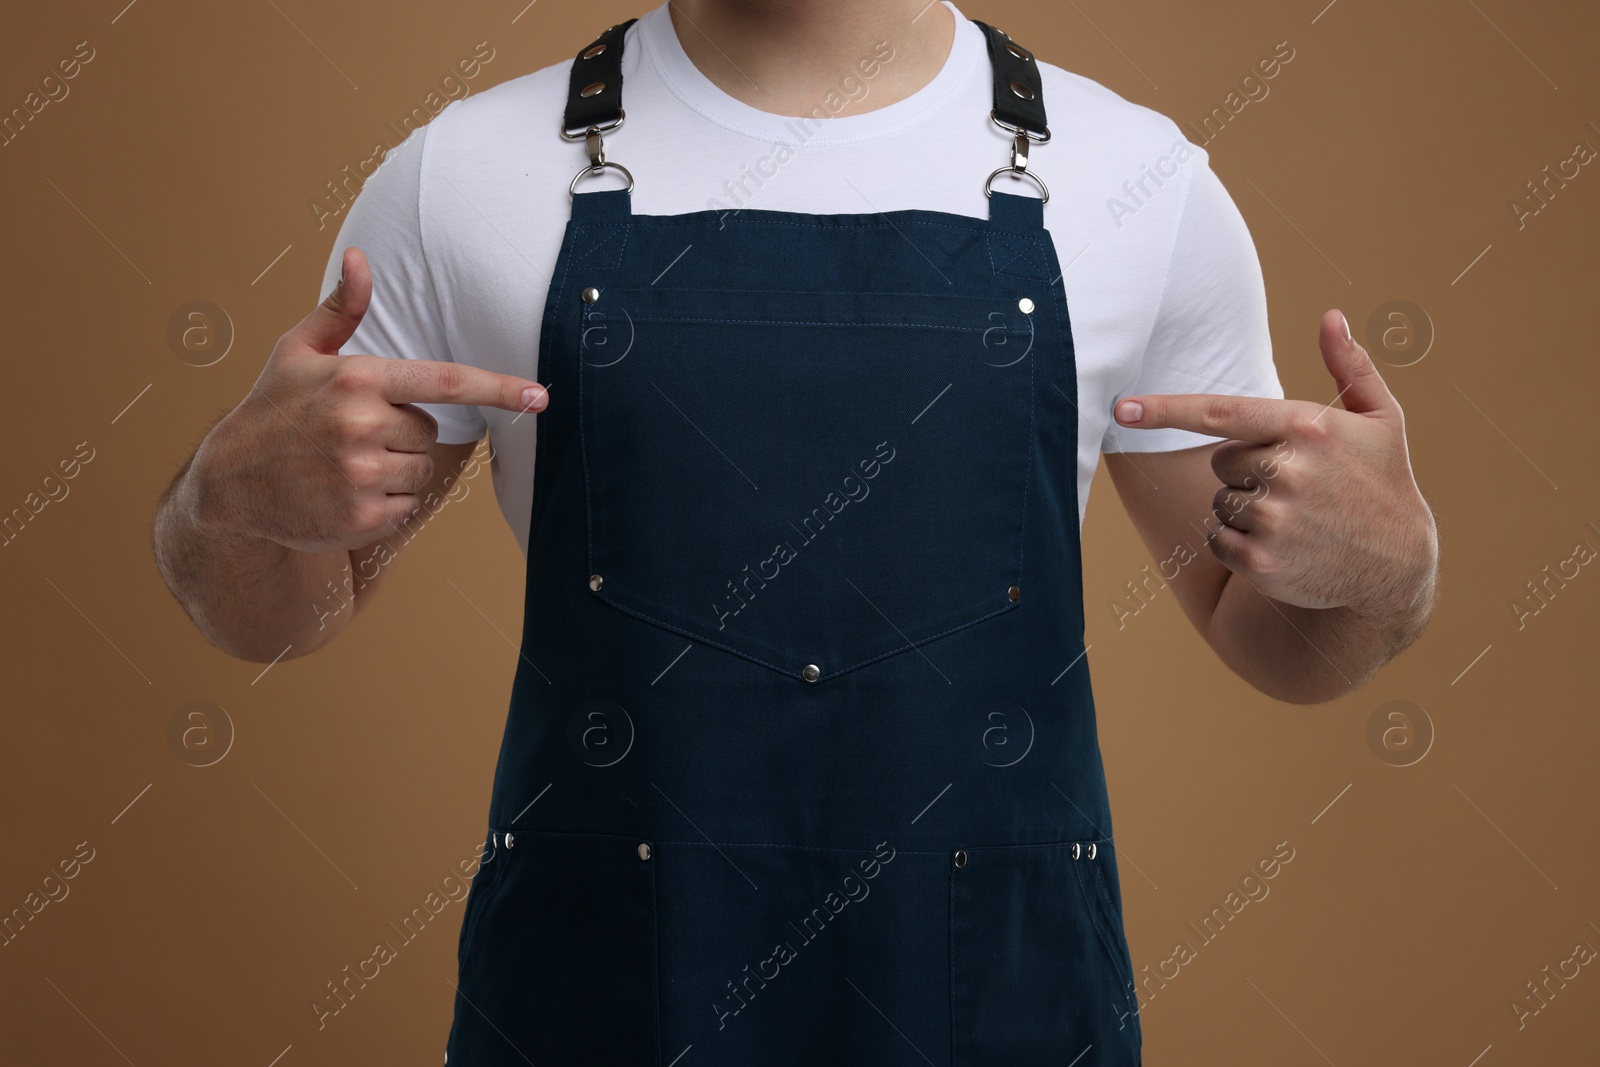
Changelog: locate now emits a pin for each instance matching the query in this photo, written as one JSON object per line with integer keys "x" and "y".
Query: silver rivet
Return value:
{"x": 1025, "y": 306}
{"x": 961, "y": 857}
{"x": 1077, "y": 850}
{"x": 510, "y": 840}
{"x": 1016, "y": 50}
{"x": 644, "y": 850}
{"x": 1014, "y": 594}
{"x": 1016, "y": 87}
{"x": 590, "y": 295}
{"x": 1092, "y": 849}
{"x": 596, "y": 88}
{"x": 595, "y": 51}
{"x": 595, "y": 582}
{"x": 811, "y": 672}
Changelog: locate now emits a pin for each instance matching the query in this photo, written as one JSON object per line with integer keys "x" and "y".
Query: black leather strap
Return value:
{"x": 594, "y": 87}
{"x": 1018, "y": 92}
{"x": 594, "y": 91}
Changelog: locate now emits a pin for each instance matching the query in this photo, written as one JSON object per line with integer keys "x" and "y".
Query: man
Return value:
{"x": 798, "y": 356}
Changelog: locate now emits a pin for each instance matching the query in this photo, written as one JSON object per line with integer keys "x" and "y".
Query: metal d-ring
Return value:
{"x": 1019, "y": 159}
{"x": 598, "y": 167}
{"x": 597, "y": 152}
{"x": 989, "y": 191}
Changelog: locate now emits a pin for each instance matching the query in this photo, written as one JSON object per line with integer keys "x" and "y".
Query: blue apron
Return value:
{"x": 801, "y": 763}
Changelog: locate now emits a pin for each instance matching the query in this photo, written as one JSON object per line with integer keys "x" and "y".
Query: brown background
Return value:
{"x": 219, "y": 903}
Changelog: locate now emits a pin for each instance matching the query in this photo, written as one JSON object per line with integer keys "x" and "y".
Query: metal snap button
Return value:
{"x": 961, "y": 857}
{"x": 811, "y": 672}
{"x": 1025, "y": 306}
{"x": 1016, "y": 87}
{"x": 510, "y": 839}
{"x": 595, "y": 51}
{"x": 595, "y": 582}
{"x": 1016, "y": 50}
{"x": 1014, "y": 594}
{"x": 590, "y": 295}
{"x": 596, "y": 88}
{"x": 1077, "y": 850}
{"x": 1092, "y": 849}
{"x": 644, "y": 850}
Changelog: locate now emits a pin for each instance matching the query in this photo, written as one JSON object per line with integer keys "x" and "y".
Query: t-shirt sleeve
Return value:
{"x": 404, "y": 320}
{"x": 1210, "y": 333}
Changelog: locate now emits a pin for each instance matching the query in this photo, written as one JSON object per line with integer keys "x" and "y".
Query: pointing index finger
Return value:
{"x": 416, "y": 381}
{"x": 1262, "y": 420}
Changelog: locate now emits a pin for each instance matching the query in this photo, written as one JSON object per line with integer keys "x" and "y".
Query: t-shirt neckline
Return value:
{"x": 694, "y": 90}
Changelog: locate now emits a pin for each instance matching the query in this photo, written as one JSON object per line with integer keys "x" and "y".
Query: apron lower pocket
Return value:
{"x": 558, "y": 954}
{"x": 482, "y": 886}
{"x": 780, "y": 955}
{"x": 1038, "y": 964}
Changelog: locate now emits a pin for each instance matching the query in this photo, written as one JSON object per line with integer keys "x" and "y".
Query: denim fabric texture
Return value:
{"x": 777, "y": 442}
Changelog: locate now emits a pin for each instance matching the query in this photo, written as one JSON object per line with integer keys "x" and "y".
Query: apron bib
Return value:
{"x": 801, "y": 763}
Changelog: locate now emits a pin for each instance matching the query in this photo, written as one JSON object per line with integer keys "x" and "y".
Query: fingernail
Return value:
{"x": 1130, "y": 411}
{"x": 531, "y": 395}
{"x": 1347, "y": 338}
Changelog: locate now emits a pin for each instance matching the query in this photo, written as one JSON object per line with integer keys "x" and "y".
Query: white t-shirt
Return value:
{"x": 462, "y": 223}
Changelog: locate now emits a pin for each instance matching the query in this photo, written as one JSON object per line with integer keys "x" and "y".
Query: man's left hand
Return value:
{"x": 1318, "y": 506}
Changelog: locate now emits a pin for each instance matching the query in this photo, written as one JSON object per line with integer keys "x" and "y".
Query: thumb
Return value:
{"x": 332, "y": 322}
{"x": 1361, "y": 387}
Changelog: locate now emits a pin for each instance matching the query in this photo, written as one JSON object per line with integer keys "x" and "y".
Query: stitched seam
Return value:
{"x": 1011, "y": 332}
{"x": 752, "y": 657}
{"x": 1029, "y": 268}
{"x": 1099, "y": 877}
{"x": 1067, "y": 843}
{"x": 583, "y": 423}
{"x": 969, "y": 224}
{"x": 471, "y": 931}
{"x": 702, "y": 843}
{"x": 549, "y": 323}
{"x": 590, "y": 255}
{"x": 583, "y": 437}
{"x": 1019, "y": 250}
{"x": 1059, "y": 302}
{"x": 697, "y": 218}
{"x": 1105, "y": 892}
{"x": 1106, "y": 942}
{"x": 721, "y": 293}
{"x": 950, "y": 923}
{"x": 1027, "y": 472}
{"x": 655, "y": 957}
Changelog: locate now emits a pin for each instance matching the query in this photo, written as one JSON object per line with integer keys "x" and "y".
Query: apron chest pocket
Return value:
{"x": 813, "y": 481}
{"x": 529, "y": 986}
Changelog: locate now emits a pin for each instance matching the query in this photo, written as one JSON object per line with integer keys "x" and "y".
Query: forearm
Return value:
{"x": 1311, "y": 655}
{"x": 252, "y": 598}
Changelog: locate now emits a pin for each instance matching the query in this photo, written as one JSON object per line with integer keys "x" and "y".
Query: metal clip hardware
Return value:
{"x": 596, "y": 147}
{"x": 1016, "y": 79}
{"x": 1019, "y": 159}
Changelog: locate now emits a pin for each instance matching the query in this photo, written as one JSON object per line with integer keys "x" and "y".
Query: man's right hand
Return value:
{"x": 328, "y": 452}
